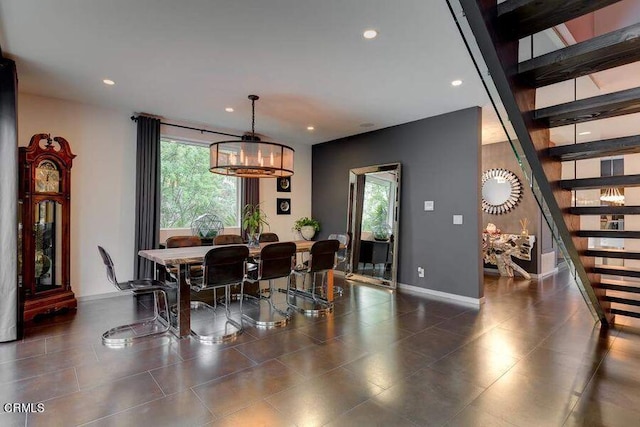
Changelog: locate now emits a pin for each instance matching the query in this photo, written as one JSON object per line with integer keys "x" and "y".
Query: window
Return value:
{"x": 189, "y": 190}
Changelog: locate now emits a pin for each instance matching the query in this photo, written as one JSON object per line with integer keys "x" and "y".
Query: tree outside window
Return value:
{"x": 189, "y": 190}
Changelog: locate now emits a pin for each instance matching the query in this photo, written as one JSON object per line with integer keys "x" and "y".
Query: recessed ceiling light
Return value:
{"x": 310, "y": 128}
{"x": 456, "y": 83}
{"x": 108, "y": 82}
{"x": 229, "y": 110}
{"x": 370, "y": 34}
{"x": 585, "y": 133}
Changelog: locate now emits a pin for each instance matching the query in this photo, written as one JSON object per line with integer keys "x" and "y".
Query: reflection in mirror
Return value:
{"x": 48, "y": 241}
{"x": 501, "y": 191}
{"x": 374, "y": 195}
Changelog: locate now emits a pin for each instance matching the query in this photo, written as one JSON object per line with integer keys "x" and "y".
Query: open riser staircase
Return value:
{"x": 497, "y": 29}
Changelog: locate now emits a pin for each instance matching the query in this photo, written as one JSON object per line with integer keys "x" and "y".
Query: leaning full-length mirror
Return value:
{"x": 374, "y": 204}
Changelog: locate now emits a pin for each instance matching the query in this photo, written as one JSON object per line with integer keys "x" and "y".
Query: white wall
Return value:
{"x": 103, "y": 183}
{"x": 300, "y": 195}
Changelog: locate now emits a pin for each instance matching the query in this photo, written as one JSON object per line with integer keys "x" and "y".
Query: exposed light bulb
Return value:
{"x": 370, "y": 34}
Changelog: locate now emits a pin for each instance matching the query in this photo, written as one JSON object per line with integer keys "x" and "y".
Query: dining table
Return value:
{"x": 183, "y": 258}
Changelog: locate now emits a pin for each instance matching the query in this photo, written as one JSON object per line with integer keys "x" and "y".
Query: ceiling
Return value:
{"x": 188, "y": 60}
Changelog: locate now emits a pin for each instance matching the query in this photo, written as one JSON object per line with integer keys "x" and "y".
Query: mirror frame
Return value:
{"x": 354, "y": 207}
{"x": 514, "y": 197}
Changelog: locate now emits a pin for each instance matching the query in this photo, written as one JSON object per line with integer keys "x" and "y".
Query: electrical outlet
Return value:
{"x": 420, "y": 272}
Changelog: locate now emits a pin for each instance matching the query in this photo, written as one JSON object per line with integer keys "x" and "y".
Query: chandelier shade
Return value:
{"x": 250, "y": 157}
{"x": 612, "y": 195}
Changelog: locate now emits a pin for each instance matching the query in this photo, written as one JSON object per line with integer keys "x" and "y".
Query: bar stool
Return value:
{"x": 322, "y": 258}
{"x": 142, "y": 286}
{"x": 277, "y": 260}
{"x": 222, "y": 267}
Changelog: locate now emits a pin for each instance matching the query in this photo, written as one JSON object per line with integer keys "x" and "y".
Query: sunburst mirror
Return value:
{"x": 501, "y": 191}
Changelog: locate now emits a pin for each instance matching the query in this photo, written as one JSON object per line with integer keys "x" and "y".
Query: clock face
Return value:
{"x": 47, "y": 177}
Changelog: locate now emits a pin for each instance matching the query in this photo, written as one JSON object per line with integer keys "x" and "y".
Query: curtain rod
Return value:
{"x": 135, "y": 119}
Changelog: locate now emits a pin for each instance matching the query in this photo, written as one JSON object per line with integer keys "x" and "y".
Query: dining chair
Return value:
{"x": 277, "y": 260}
{"x": 268, "y": 238}
{"x": 183, "y": 241}
{"x": 322, "y": 258}
{"x": 160, "y": 317}
{"x": 341, "y": 256}
{"x": 228, "y": 239}
{"x": 222, "y": 267}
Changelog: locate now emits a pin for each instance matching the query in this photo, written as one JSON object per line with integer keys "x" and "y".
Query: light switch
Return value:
{"x": 428, "y": 205}
{"x": 457, "y": 219}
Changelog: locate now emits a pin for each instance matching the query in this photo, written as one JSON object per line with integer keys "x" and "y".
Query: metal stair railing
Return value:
{"x": 467, "y": 15}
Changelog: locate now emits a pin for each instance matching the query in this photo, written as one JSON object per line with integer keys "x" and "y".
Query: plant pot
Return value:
{"x": 307, "y": 232}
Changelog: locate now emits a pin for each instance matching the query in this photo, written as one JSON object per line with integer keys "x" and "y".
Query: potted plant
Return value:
{"x": 253, "y": 221}
{"x": 307, "y": 227}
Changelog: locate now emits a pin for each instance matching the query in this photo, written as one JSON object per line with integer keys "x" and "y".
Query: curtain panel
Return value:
{"x": 147, "y": 235}
{"x": 10, "y": 316}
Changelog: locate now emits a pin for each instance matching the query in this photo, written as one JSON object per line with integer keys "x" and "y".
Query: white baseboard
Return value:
{"x": 101, "y": 296}
{"x": 495, "y": 272}
{"x": 476, "y": 302}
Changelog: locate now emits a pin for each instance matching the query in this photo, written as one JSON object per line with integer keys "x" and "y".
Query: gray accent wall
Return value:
{"x": 440, "y": 159}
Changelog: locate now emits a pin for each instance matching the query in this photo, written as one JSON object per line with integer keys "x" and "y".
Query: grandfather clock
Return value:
{"x": 45, "y": 207}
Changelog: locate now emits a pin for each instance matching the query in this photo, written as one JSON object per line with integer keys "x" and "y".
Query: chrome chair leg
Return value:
{"x": 308, "y": 303}
{"x": 108, "y": 339}
{"x": 263, "y": 313}
{"x": 232, "y": 328}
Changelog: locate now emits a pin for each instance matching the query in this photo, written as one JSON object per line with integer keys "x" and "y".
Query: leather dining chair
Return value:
{"x": 277, "y": 260}
{"x": 322, "y": 258}
{"x": 183, "y": 241}
{"x": 268, "y": 238}
{"x": 157, "y": 324}
{"x": 228, "y": 239}
{"x": 222, "y": 267}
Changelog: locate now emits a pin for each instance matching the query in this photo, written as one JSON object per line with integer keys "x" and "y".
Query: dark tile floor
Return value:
{"x": 530, "y": 356}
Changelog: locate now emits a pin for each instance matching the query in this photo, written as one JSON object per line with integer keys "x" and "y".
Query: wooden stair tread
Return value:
{"x": 616, "y": 270}
{"x": 620, "y": 300}
{"x": 593, "y": 149}
{"x": 521, "y": 18}
{"x": 615, "y": 234}
{"x": 605, "y": 210}
{"x": 620, "y": 285}
{"x": 600, "y": 53}
{"x": 601, "y": 182}
{"x": 612, "y": 253}
{"x": 594, "y": 108}
{"x": 625, "y": 313}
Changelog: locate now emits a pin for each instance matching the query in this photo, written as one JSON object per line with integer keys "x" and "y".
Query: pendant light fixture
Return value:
{"x": 612, "y": 195}
{"x": 250, "y": 157}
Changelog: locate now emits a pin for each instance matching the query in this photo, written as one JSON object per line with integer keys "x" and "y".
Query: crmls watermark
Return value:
{"x": 23, "y": 407}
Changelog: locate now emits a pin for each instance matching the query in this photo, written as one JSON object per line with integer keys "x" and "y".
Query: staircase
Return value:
{"x": 497, "y": 29}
